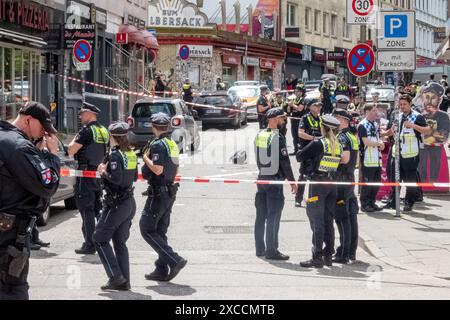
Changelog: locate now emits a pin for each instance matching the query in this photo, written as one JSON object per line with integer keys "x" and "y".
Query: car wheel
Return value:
{"x": 70, "y": 204}
{"x": 182, "y": 145}
{"x": 245, "y": 120}
{"x": 43, "y": 219}
{"x": 238, "y": 123}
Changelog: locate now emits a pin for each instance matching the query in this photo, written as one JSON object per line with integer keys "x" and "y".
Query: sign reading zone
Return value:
{"x": 360, "y": 12}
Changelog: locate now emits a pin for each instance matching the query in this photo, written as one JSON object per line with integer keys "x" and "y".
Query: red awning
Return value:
{"x": 150, "y": 40}
{"x": 134, "y": 35}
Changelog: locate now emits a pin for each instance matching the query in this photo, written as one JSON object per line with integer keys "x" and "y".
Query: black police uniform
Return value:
{"x": 187, "y": 92}
{"x": 28, "y": 179}
{"x": 342, "y": 90}
{"x": 347, "y": 208}
{"x": 321, "y": 202}
{"x": 262, "y": 101}
{"x": 409, "y": 155}
{"x": 273, "y": 164}
{"x": 327, "y": 106}
{"x": 312, "y": 126}
{"x": 94, "y": 138}
{"x": 296, "y": 122}
{"x": 162, "y": 191}
{"x": 281, "y": 104}
{"x": 119, "y": 208}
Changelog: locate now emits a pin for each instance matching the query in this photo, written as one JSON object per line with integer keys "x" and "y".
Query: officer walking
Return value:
{"x": 325, "y": 94}
{"x": 279, "y": 102}
{"x": 410, "y": 125}
{"x": 310, "y": 129}
{"x": 187, "y": 91}
{"x": 343, "y": 89}
{"x": 297, "y": 112}
{"x": 347, "y": 208}
{"x": 29, "y": 177}
{"x": 118, "y": 173}
{"x": 262, "y": 105}
{"x": 274, "y": 165}
{"x": 325, "y": 154}
{"x": 370, "y": 148}
{"x": 89, "y": 147}
{"x": 160, "y": 170}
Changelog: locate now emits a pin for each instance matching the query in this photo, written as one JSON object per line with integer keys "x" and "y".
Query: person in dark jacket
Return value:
{"x": 29, "y": 177}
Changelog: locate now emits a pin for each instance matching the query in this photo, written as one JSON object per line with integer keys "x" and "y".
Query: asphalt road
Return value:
{"x": 212, "y": 227}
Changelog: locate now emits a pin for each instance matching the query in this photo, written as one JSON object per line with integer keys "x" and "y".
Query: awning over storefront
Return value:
{"x": 22, "y": 38}
{"x": 134, "y": 35}
{"x": 151, "y": 42}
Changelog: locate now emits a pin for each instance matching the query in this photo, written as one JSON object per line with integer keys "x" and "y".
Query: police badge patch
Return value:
{"x": 284, "y": 152}
{"x": 155, "y": 157}
{"x": 113, "y": 166}
{"x": 46, "y": 177}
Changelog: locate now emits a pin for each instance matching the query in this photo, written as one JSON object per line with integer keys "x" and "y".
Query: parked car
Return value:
{"x": 249, "y": 96}
{"x": 66, "y": 189}
{"x": 246, "y": 83}
{"x": 184, "y": 129}
{"x": 387, "y": 94}
{"x": 229, "y": 109}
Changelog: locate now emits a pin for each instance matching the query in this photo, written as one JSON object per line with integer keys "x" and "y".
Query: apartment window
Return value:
{"x": 308, "y": 18}
{"x": 316, "y": 21}
{"x": 291, "y": 14}
{"x": 333, "y": 25}
{"x": 345, "y": 29}
{"x": 325, "y": 23}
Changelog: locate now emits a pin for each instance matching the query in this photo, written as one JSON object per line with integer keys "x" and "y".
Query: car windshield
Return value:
{"x": 215, "y": 100}
{"x": 245, "y": 92}
{"x": 146, "y": 110}
{"x": 385, "y": 93}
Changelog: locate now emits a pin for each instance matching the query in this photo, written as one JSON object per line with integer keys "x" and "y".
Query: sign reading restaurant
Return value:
{"x": 170, "y": 13}
{"x": 25, "y": 14}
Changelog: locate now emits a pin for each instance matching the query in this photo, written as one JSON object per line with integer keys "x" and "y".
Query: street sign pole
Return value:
{"x": 362, "y": 81}
{"x": 397, "y": 163}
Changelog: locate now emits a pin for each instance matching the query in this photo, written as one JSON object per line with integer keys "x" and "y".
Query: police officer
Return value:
{"x": 310, "y": 129}
{"x": 279, "y": 102}
{"x": 444, "y": 82}
{"x": 343, "y": 89}
{"x": 274, "y": 165}
{"x": 29, "y": 177}
{"x": 412, "y": 125}
{"x": 160, "y": 170}
{"x": 89, "y": 147}
{"x": 347, "y": 204}
{"x": 220, "y": 85}
{"x": 263, "y": 104}
{"x": 118, "y": 172}
{"x": 187, "y": 91}
{"x": 370, "y": 148}
{"x": 325, "y": 94}
{"x": 325, "y": 154}
{"x": 342, "y": 102}
{"x": 297, "y": 112}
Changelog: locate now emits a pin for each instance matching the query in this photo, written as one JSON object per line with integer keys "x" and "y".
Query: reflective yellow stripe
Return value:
{"x": 354, "y": 141}
{"x": 100, "y": 134}
{"x": 329, "y": 163}
{"x": 172, "y": 147}
{"x": 129, "y": 160}
{"x": 186, "y": 86}
{"x": 264, "y": 139}
{"x": 313, "y": 123}
{"x": 312, "y": 200}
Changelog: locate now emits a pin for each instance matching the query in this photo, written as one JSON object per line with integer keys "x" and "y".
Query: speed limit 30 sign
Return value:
{"x": 360, "y": 12}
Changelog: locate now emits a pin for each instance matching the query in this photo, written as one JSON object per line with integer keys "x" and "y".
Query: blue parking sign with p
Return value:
{"x": 396, "y": 26}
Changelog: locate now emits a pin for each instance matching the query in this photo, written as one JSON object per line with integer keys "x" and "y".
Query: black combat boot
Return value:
{"x": 119, "y": 283}
{"x": 328, "y": 261}
{"x": 313, "y": 263}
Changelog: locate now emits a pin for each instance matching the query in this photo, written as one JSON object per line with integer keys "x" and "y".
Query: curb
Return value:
{"x": 372, "y": 249}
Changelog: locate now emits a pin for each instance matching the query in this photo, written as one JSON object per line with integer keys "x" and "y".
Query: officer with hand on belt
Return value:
{"x": 29, "y": 177}
{"x": 326, "y": 155}
{"x": 310, "y": 129}
{"x": 160, "y": 170}
{"x": 347, "y": 204}
{"x": 118, "y": 173}
{"x": 274, "y": 165}
{"x": 89, "y": 147}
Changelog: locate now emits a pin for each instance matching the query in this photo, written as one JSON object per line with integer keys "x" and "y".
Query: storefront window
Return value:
{"x": 26, "y": 84}
{"x": 2, "y": 84}
{"x": 18, "y": 69}
{"x": 227, "y": 76}
{"x": 267, "y": 77}
{"x": 7, "y": 90}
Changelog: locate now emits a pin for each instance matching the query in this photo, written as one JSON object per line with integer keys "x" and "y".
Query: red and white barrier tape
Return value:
{"x": 96, "y": 175}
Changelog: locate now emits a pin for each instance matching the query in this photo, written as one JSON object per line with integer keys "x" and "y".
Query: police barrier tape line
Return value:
{"x": 96, "y": 175}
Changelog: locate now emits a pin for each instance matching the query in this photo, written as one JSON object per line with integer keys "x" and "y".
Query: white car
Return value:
{"x": 249, "y": 96}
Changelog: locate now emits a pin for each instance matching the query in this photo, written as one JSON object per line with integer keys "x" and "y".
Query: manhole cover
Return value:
{"x": 229, "y": 229}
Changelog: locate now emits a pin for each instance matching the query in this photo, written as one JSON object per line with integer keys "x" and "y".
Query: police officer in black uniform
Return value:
{"x": 347, "y": 208}
{"x": 262, "y": 105}
{"x": 279, "y": 102}
{"x": 160, "y": 170}
{"x": 188, "y": 94}
{"x": 29, "y": 177}
{"x": 298, "y": 111}
{"x": 118, "y": 172}
{"x": 326, "y": 155}
{"x": 89, "y": 147}
{"x": 310, "y": 129}
{"x": 274, "y": 165}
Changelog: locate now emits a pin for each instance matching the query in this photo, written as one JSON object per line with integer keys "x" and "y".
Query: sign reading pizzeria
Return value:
{"x": 267, "y": 64}
{"x": 25, "y": 14}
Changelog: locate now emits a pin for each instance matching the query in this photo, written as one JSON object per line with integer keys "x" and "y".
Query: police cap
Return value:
{"x": 90, "y": 108}
{"x": 342, "y": 113}
{"x": 119, "y": 128}
{"x": 435, "y": 88}
{"x": 160, "y": 119}
{"x": 342, "y": 99}
{"x": 330, "y": 121}
{"x": 300, "y": 87}
{"x": 274, "y": 113}
{"x": 263, "y": 88}
{"x": 39, "y": 112}
{"x": 313, "y": 102}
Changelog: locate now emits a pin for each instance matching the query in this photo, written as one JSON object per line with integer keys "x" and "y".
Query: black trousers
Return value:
{"x": 269, "y": 203}
{"x": 154, "y": 224}
{"x": 320, "y": 207}
{"x": 294, "y": 131}
{"x": 301, "y": 187}
{"x": 368, "y": 195}
{"x": 346, "y": 218}
{"x": 115, "y": 224}
{"x": 434, "y": 155}
{"x": 88, "y": 199}
{"x": 408, "y": 173}
{"x": 12, "y": 288}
